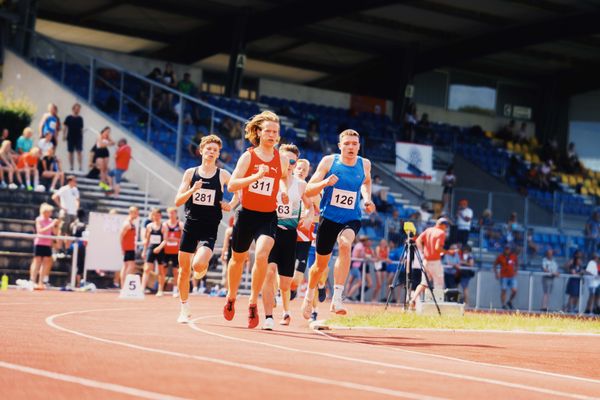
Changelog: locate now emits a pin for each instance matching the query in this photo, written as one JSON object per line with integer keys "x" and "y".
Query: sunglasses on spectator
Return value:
{"x": 292, "y": 161}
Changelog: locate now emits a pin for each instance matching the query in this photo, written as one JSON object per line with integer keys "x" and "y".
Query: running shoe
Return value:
{"x": 175, "y": 292}
{"x": 322, "y": 294}
{"x": 510, "y": 305}
{"x": 3, "y": 185}
{"x": 229, "y": 310}
{"x": 268, "y": 325}
{"x": 306, "y": 308}
{"x": 160, "y": 293}
{"x": 185, "y": 314}
{"x": 285, "y": 320}
{"x": 253, "y": 316}
{"x": 12, "y": 186}
{"x": 313, "y": 316}
{"x": 338, "y": 307}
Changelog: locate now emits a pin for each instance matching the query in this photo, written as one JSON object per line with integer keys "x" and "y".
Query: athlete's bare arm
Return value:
{"x": 147, "y": 238}
{"x": 228, "y": 206}
{"x": 165, "y": 232}
{"x": 365, "y": 188}
{"x": 285, "y": 163}
{"x": 185, "y": 191}
{"x": 306, "y": 219}
{"x": 226, "y": 244}
{"x": 237, "y": 180}
{"x": 318, "y": 182}
{"x": 124, "y": 229}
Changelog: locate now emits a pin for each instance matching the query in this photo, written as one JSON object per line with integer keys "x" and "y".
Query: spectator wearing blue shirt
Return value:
{"x": 50, "y": 123}
{"x": 25, "y": 141}
{"x": 592, "y": 233}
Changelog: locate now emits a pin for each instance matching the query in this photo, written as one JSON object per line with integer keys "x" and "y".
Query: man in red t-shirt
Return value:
{"x": 122, "y": 158}
{"x": 508, "y": 271}
{"x": 431, "y": 244}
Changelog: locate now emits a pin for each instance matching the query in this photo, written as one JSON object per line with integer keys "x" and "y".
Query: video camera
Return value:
{"x": 409, "y": 229}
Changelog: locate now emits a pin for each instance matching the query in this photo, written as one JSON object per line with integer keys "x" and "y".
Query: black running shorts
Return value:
{"x": 151, "y": 256}
{"x": 129, "y": 255}
{"x": 249, "y": 226}
{"x": 328, "y": 232}
{"x": 284, "y": 251}
{"x": 302, "y": 249}
{"x": 173, "y": 259}
{"x": 198, "y": 233}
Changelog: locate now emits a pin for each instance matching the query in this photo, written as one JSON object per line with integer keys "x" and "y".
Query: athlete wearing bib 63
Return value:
{"x": 257, "y": 175}
{"x": 201, "y": 191}
{"x": 283, "y": 255}
{"x": 343, "y": 178}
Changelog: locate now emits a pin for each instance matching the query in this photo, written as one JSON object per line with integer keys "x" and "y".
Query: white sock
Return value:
{"x": 338, "y": 290}
{"x": 310, "y": 294}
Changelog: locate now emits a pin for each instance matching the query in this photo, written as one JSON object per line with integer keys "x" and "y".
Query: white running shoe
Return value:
{"x": 185, "y": 314}
{"x": 269, "y": 324}
{"x": 175, "y": 292}
{"x": 306, "y": 308}
{"x": 12, "y": 186}
{"x": 160, "y": 293}
{"x": 338, "y": 307}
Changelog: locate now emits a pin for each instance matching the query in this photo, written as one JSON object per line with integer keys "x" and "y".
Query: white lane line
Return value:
{"x": 111, "y": 387}
{"x": 520, "y": 369}
{"x": 246, "y": 366}
{"x": 14, "y": 304}
{"x": 449, "y": 330}
{"x": 394, "y": 366}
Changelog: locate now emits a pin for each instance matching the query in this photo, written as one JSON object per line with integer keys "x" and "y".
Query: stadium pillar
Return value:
{"x": 27, "y": 10}
{"x": 403, "y": 63}
{"x": 552, "y": 118}
{"x": 237, "y": 57}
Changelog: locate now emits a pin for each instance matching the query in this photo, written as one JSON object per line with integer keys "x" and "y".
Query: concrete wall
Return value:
{"x": 38, "y": 88}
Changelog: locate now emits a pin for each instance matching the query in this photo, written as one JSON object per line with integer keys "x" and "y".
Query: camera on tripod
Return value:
{"x": 410, "y": 229}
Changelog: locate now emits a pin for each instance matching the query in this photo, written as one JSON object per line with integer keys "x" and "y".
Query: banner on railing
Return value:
{"x": 414, "y": 160}
{"x": 104, "y": 246}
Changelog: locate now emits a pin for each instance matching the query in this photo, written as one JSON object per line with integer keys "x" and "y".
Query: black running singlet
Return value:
{"x": 156, "y": 236}
{"x": 205, "y": 204}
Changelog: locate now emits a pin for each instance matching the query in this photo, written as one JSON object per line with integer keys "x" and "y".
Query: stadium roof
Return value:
{"x": 321, "y": 42}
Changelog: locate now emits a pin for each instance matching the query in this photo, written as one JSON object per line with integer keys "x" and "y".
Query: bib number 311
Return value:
{"x": 343, "y": 199}
{"x": 263, "y": 186}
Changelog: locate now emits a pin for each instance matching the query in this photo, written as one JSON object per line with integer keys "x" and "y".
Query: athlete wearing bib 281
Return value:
{"x": 201, "y": 191}
{"x": 343, "y": 178}
{"x": 257, "y": 175}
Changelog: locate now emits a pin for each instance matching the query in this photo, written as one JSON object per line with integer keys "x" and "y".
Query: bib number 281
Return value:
{"x": 204, "y": 197}
{"x": 343, "y": 199}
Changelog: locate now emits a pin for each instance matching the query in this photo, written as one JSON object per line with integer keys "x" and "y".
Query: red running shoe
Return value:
{"x": 252, "y": 316}
{"x": 229, "y": 310}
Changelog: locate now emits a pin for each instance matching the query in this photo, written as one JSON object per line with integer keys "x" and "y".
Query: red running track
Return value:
{"x": 93, "y": 345}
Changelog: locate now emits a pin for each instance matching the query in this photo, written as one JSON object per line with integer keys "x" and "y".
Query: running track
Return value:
{"x": 92, "y": 345}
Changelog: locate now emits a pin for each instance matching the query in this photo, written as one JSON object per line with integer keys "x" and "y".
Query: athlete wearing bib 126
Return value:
{"x": 340, "y": 205}
{"x": 258, "y": 215}
{"x": 203, "y": 213}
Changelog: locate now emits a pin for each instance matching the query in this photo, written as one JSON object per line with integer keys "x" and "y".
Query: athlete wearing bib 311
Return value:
{"x": 340, "y": 205}
{"x": 203, "y": 213}
{"x": 259, "y": 202}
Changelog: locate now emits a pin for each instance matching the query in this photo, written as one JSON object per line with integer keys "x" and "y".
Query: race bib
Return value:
{"x": 284, "y": 211}
{"x": 155, "y": 239}
{"x": 343, "y": 199}
{"x": 172, "y": 243}
{"x": 204, "y": 197}
{"x": 263, "y": 186}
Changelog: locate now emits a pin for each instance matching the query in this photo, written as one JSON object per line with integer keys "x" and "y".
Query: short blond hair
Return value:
{"x": 46, "y": 207}
{"x": 211, "y": 139}
{"x": 292, "y": 148}
{"x": 255, "y": 124}
{"x": 27, "y": 129}
{"x": 133, "y": 209}
{"x": 171, "y": 209}
{"x": 303, "y": 160}
{"x": 348, "y": 132}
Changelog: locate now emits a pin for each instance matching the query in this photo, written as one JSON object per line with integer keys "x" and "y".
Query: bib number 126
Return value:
{"x": 343, "y": 199}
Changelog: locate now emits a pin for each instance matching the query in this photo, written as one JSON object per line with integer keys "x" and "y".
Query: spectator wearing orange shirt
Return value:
{"x": 28, "y": 165}
{"x": 431, "y": 244}
{"x": 508, "y": 271}
{"x": 122, "y": 159}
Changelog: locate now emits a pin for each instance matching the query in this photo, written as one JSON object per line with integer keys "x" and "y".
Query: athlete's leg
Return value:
{"x": 285, "y": 283}
{"x": 183, "y": 279}
{"x": 45, "y": 272}
{"x": 162, "y": 275}
{"x": 201, "y": 260}
{"x": 34, "y": 268}
{"x": 264, "y": 244}
{"x": 342, "y": 264}
{"x": 148, "y": 267}
{"x": 235, "y": 269}
{"x": 268, "y": 290}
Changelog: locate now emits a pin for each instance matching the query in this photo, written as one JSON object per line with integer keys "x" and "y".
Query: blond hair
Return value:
{"x": 171, "y": 209}
{"x": 46, "y": 207}
{"x": 27, "y": 129}
{"x": 292, "y": 148}
{"x": 348, "y": 132}
{"x": 211, "y": 139}
{"x": 133, "y": 209}
{"x": 255, "y": 124}
{"x": 155, "y": 211}
{"x": 303, "y": 160}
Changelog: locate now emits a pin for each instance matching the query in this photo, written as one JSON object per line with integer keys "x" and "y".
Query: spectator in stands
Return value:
{"x": 25, "y": 141}
{"x": 410, "y": 123}
{"x": 5, "y": 135}
{"x": 508, "y": 271}
{"x": 545, "y": 173}
{"x": 165, "y": 107}
{"x": 67, "y": 199}
{"x": 122, "y": 158}
{"x": 424, "y": 129}
{"x": 186, "y": 85}
{"x": 194, "y": 143}
{"x": 50, "y": 123}
{"x": 379, "y": 194}
{"x": 382, "y": 255}
{"x": 532, "y": 247}
{"x": 448, "y": 183}
{"x": 102, "y": 156}
{"x": 513, "y": 232}
{"x": 42, "y": 253}
{"x": 76, "y": 229}
{"x": 359, "y": 254}
{"x": 521, "y": 134}
{"x": 374, "y": 221}
{"x": 395, "y": 232}
{"x": 155, "y": 75}
{"x": 593, "y": 283}
{"x": 464, "y": 218}
{"x": 550, "y": 151}
{"x": 168, "y": 76}
{"x": 425, "y": 213}
{"x": 575, "y": 268}
{"x": 8, "y": 166}
{"x": 466, "y": 261}
{"x": 592, "y": 233}
{"x": 507, "y": 133}
{"x": 45, "y": 143}
{"x": 28, "y": 166}
{"x": 50, "y": 169}
{"x": 73, "y": 134}
{"x": 550, "y": 268}
{"x": 573, "y": 165}
{"x": 451, "y": 263}
{"x": 312, "y": 140}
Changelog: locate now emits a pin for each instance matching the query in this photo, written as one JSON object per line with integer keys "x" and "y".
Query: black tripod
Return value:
{"x": 407, "y": 258}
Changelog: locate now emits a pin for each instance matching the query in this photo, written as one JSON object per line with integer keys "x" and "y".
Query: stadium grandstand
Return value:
{"x": 480, "y": 115}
